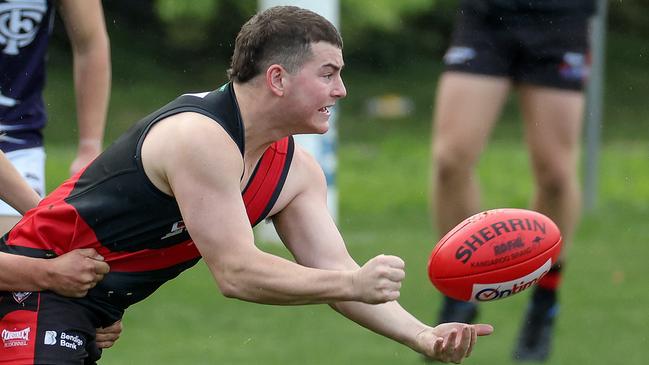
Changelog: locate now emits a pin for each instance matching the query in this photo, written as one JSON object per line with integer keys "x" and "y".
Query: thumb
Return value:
{"x": 483, "y": 329}
{"x": 90, "y": 253}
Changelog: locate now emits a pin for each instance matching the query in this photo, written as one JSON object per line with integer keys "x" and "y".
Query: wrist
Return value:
{"x": 43, "y": 271}
{"x": 350, "y": 283}
{"x": 89, "y": 144}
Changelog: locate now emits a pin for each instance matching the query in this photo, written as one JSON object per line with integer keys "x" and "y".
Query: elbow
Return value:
{"x": 231, "y": 282}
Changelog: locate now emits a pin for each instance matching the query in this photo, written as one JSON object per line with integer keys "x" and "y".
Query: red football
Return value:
{"x": 494, "y": 254}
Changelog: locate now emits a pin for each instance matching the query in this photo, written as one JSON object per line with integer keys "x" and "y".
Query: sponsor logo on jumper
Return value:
{"x": 20, "y": 296}
{"x": 19, "y": 23}
{"x": 50, "y": 338}
{"x": 176, "y": 229}
{"x": 486, "y": 234}
{"x": 489, "y": 292}
{"x": 15, "y": 338}
{"x": 70, "y": 341}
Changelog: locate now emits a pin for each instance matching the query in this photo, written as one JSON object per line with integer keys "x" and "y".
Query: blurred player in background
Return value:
{"x": 191, "y": 180}
{"x": 540, "y": 49}
{"x": 24, "y": 36}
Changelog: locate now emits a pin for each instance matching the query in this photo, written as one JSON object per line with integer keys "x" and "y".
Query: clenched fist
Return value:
{"x": 76, "y": 272}
{"x": 379, "y": 280}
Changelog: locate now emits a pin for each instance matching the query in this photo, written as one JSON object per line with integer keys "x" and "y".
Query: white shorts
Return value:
{"x": 30, "y": 163}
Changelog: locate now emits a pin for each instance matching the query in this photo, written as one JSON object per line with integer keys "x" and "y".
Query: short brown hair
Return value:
{"x": 279, "y": 35}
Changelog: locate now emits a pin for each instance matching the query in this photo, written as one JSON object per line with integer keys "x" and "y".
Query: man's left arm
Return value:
{"x": 85, "y": 26}
{"x": 309, "y": 232}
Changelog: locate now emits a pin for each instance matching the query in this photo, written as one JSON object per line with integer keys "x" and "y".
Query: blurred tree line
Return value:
{"x": 158, "y": 44}
{"x": 376, "y": 32}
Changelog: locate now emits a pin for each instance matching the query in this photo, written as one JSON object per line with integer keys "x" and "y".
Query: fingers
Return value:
{"x": 107, "y": 336}
{"x": 392, "y": 261}
{"x": 474, "y": 338}
{"x": 391, "y": 267}
{"x": 379, "y": 280}
{"x": 455, "y": 341}
{"x": 101, "y": 268}
{"x": 90, "y": 253}
{"x": 483, "y": 329}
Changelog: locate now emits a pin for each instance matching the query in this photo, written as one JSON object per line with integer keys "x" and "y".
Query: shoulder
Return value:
{"x": 190, "y": 145}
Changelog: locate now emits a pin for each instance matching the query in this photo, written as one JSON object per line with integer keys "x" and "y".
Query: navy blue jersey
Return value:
{"x": 112, "y": 206}
{"x": 25, "y": 28}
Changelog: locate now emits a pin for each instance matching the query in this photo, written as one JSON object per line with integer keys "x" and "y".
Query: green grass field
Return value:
{"x": 383, "y": 210}
{"x": 383, "y": 182}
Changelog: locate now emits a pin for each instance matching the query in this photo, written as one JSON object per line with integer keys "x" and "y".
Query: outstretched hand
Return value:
{"x": 76, "y": 272}
{"x": 450, "y": 342}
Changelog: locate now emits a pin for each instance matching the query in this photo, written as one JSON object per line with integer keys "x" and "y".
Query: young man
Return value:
{"x": 72, "y": 274}
{"x": 24, "y": 39}
{"x": 540, "y": 47}
{"x": 191, "y": 180}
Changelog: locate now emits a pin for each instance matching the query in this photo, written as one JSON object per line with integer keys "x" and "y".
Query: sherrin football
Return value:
{"x": 494, "y": 254}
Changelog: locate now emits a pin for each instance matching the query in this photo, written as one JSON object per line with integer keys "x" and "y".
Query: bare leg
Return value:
{"x": 553, "y": 119}
{"x": 553, "y": 124}
{"x": 467, "y": 107}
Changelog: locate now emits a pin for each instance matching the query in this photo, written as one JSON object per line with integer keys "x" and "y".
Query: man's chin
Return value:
{"x": 317, "y": 129}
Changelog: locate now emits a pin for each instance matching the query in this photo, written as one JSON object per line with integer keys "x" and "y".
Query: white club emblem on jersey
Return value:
{"x": 20, "y": 296}
{"x": 19, "y": 20}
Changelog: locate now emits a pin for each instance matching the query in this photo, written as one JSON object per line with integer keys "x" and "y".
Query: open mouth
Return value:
{"x": 326, "y": 110}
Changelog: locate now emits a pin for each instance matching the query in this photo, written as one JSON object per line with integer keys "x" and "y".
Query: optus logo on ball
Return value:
{"x": 489, "y": 292}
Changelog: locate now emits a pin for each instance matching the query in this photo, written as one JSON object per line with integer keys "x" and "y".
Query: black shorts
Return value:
{"x": 547, "y": 49}
{"x": 45, "y": 328}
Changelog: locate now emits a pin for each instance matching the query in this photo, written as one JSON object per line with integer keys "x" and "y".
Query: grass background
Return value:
{"x": 383, "y": 185}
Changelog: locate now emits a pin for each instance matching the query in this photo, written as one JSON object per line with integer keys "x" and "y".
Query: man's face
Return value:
{"x": 315, "y": 88}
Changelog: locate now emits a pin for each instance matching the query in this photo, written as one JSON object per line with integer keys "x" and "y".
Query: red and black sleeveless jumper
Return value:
{"x": 113, "y": 207}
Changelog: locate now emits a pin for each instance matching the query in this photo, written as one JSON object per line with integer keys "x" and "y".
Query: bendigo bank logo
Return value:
{"x": 486, "y": 234}
{"x": 489, "y": 292}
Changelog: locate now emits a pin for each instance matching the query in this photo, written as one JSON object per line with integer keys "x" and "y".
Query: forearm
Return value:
{"x": 269, "y": 279}
{"x": 21, "y": 273}
{"x": 387, "y": 319}
{"x": 14, "y": 190}
{"x": 92, "y": 85}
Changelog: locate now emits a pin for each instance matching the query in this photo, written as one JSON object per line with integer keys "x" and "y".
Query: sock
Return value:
{"x": 552, "y": 279}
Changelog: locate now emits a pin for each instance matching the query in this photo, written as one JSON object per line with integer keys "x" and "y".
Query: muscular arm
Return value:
{"x": 84, "y": 22}
{"x": 309, "y": 232}
{"x": 205, "y": 181}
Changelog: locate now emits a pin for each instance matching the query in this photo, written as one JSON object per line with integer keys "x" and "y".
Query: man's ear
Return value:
{"x": 275, "y": 79}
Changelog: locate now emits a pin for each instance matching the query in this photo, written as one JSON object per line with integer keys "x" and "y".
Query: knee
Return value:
{"x": 556, "y": 182}
{"x": 451, "y": 165}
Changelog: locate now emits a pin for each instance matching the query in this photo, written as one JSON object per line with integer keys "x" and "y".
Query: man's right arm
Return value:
{"x": 205, "y": 180}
